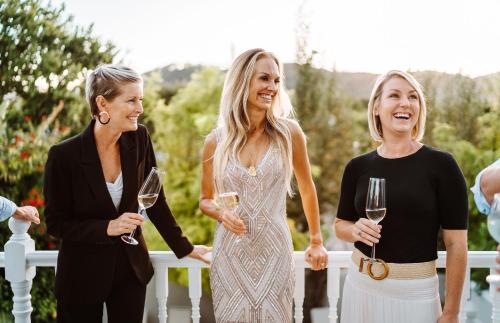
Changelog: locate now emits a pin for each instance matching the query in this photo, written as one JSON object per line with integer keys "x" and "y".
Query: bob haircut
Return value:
{"x": 374, "y": 124}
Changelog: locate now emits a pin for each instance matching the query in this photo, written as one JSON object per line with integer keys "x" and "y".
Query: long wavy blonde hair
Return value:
{"x": 234, "y": 122}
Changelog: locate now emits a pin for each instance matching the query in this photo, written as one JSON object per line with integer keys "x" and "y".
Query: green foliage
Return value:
{"x": 42, "y": 67}
{"x": 180, "y": 129}
{"x": 328, "y": 123}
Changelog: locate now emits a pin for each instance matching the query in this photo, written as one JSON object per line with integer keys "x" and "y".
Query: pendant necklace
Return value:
{"x": 252, "y": 171}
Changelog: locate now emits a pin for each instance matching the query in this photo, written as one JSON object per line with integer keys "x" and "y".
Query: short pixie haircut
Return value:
{"x": 106, "y": 80}
{"x": 374, "y": 124}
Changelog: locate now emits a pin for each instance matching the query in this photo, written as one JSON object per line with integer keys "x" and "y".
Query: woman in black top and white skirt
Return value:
{"x": 425, "y": 191}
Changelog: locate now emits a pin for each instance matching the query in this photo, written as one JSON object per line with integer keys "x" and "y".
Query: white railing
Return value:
{"x": 20, "y": 261}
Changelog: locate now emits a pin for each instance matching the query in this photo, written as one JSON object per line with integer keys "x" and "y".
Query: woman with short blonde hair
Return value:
{"x": 91, "y": 184}
{"x": 425, "y": 192}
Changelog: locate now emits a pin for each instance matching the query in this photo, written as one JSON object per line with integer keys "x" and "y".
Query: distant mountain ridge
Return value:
{"x": 354, "y": 84}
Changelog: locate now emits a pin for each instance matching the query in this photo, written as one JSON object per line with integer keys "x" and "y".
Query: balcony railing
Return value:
{"x": 20, "y": 260}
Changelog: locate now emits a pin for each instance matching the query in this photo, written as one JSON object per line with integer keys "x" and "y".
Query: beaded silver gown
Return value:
{"x": 252, "y": 276}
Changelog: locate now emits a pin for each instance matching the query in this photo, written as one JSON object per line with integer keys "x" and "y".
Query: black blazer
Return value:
{"x": 79, "y": 208}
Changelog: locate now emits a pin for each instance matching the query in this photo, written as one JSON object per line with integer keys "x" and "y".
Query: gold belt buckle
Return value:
{"x": 382, "y": 275}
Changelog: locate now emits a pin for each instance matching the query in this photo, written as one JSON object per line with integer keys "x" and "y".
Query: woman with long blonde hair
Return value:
{"x": 252, "y": 154}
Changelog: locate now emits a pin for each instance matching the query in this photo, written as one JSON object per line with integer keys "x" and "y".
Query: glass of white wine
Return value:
{"x": 375, "y": 204}
{"x": 229, "y": 201}
{"x": 494, "y": 229}
{"x": 147, "y": 197}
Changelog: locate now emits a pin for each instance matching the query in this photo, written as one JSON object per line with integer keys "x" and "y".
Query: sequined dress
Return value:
{"x": 252, "y": 277}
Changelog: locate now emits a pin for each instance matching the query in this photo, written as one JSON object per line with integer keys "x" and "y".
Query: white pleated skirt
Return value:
{"x": 365, "y": 300}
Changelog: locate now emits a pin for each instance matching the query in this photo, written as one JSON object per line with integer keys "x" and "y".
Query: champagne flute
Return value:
{"x": 375, "y": 204}
{"x": 147, "y": 197}
{"x": 229, "y": 201}
{"x": 494, "y": 229}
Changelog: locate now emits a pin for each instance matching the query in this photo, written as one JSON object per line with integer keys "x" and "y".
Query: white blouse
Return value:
{"x": 115, "y": 190}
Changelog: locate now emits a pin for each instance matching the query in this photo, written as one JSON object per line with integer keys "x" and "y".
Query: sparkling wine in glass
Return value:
{"x": 375, "y": 203}
{"x": 147, "y": 197}
{"x": 229, "y": 201}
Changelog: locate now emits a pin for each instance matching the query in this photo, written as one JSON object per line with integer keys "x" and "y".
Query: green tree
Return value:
{"x": 180, "y": 130}
{"x": 43, "y": 60}
{"x": 466, "y": 125}
{"x": 323, "y": 115}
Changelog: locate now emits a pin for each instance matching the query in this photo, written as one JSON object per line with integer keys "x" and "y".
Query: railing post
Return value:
{"x": 161, "y": 282}
{"x": 494, "y": 281}
{"x": 195, "y": 292}
{"x": 333, "y": 292}
{"x": 17, "y": 271}
{"x": 298, "y": 295}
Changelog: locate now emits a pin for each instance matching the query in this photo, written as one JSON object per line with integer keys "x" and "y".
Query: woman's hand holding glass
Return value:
{"x": 125, "y": 223}
{"x": 366, "y": 231}
{"x": 232, "y": 222}
{"x": 228, "y": 202}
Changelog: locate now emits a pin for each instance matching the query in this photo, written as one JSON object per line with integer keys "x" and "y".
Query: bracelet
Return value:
{"x": 316, "y": 241}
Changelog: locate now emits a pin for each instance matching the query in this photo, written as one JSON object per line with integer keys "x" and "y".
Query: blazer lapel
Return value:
{"x": 92, "y": 169}
{"x": 129, "y": 161}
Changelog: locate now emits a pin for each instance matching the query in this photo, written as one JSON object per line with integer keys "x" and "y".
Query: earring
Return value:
{"x": 100, "y": 115}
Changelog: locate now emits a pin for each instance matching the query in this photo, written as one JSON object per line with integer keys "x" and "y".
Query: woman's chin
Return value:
{"x": 130, "y": 127}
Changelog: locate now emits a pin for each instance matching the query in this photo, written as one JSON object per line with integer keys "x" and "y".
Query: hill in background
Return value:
{"x": 356, "y": 85}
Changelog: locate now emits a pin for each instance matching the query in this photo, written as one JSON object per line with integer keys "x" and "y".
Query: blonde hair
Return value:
{"x": 374, "y": 124}
{"x": 234, "y": 122}
{"x": 106, "y": 80}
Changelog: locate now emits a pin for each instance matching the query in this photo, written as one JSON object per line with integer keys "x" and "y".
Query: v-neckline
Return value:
{"x": 117, "y": 179}
{"x": 259, "y": 164}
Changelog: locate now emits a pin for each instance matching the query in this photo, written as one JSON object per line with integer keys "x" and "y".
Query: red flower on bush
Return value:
{"x": 24, "y": 154}
{"x": 34, "y": 198}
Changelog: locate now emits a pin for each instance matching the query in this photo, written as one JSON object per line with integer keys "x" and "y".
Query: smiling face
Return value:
{"x": 125, "y": 108}
{"x": 398, "y": 107}
{"x": 264, "y": 84}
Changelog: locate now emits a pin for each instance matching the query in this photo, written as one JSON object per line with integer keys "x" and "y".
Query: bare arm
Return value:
{"x": 490, "y": 182}
{"x": 316, "y": 254}
{"x": 456, "y": 262}
{"x": 207, "y": 202}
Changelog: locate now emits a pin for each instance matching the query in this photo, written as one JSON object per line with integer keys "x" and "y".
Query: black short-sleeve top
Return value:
{"x": 424, "y": 191}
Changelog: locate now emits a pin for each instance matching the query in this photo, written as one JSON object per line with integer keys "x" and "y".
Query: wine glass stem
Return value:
{"x": 373, "y": 252}
{"x": 131, "y": 235}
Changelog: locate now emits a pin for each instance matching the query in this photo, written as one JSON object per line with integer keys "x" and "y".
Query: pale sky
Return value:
{"x": 352, "y": 35}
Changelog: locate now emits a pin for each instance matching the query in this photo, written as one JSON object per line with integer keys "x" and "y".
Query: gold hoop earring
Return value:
{"x": 100, "y": 115}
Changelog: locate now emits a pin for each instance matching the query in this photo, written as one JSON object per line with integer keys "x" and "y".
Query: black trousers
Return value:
{"x": 124, "y": 304}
